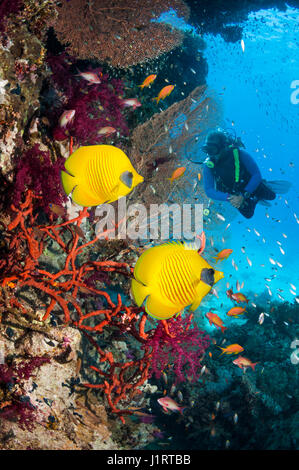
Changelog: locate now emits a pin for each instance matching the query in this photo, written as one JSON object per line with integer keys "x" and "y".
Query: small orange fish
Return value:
{"x": 202, "y": 239}
{"x": 131, "y": 102}
{"x": 239, "y": 297}
{"x": 58, "y": 210}
{"x": 243, "y": 363}
{"x": 235, "y": 311}
{"x": 199, "y": 176}
{"x": 168, "y": 403}
{"x": 210, "y": 354}
{"x": 148, "y": 81}
{"x": 106, "y": 130}
{"x": 143, "y": 415}
{"x": 79, "y": 231}
{"x": 177, "y": 173}
{"x": 214, "y": 319}
{"x": 91, "y": 77}
{"x": 231, "y": 349}
{"x": 223, "y": 254}
{"x": 164, "y": 92}
{"x": 67, "y": 117}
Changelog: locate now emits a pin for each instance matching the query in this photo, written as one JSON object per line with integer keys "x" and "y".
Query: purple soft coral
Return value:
{"x": 96, "y": 106}
{"x": 183, "y": 350}
{"x": 36, "y": 171}
{"x": 17, "y": 406}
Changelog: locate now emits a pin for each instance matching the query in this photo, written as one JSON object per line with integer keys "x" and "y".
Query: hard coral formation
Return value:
{"x": 38, "y": 381}
{"x": 119, "y": 33}
{"x": 22, "y": 71}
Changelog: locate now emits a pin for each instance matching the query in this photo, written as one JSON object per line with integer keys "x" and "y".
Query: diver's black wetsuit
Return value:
{"x": 220, "y": 181}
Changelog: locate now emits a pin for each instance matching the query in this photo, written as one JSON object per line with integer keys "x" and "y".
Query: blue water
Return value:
{"x": 253, "y": 89}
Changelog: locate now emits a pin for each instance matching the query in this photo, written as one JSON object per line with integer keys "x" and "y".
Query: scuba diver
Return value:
{"x": 230, "y": 174}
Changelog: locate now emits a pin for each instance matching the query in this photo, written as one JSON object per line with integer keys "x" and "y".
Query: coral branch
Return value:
{"x": 63, "y": 291}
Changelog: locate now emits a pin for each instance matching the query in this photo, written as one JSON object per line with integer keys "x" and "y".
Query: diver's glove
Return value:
{"x": 236, "y": 201}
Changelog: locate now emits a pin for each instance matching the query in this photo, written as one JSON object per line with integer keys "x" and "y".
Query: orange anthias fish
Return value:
{"x": 58, "y": 210}
{"x": 223, "y": 254}
{"x": 148, "y": 81}
{"x": 202, "y": 239}
{"x": 177, "y": 173}
{"x": 106, "y": 130}
{"x": 215, "y": 320}
{"x": 229, "y": 293}
{"x": 66, "y": 117}
{"x": 239, "y": 297}
{"x": 91, "y": 77}
{"x": 131, "y": 102}
{"x": 235, "y": 311}
{"x": 232, "y": 349}
{"x": 243, "y": 363}
{"x": 164, "y": 92}
{"x": 168, "y": 403}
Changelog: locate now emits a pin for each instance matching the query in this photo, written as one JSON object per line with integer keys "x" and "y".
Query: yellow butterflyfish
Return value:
{"x": 97, "y": 174}
{"x": 170, "y": 277}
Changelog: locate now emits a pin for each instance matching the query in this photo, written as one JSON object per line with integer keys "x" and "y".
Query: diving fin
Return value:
{"x": 263, "y": 202}
{"x": 279, "y": 186}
